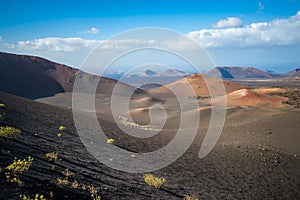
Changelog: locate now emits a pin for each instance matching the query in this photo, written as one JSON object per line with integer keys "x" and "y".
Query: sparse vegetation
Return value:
{"x": 110, "y": 141}
{"x": 154, "y": 181}
{"x": 189, "y": 197}
{"x": 75, "y": 184}
{"x": 9, "y": 132}
{"x": 2, "y": 105}
{"x": 36, "y": 197}
{"x": 67, "y": 173}
{"x": 51, "y": 156}
{"x": 62, "y": 128}
{"x": 17, "y": 168}
{"x": 62, "y": 181}
{"x": 94, "y": 192}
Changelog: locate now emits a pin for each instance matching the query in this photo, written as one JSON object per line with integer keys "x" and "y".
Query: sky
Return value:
{"x": 256, "y": 33}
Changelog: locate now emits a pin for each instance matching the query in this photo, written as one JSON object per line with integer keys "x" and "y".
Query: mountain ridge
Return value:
{"x": 239, "y": 73}
{"x": 35, "y": 77}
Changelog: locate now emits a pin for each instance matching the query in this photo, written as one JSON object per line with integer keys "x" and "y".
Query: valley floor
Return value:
{"x": 257, "y": 157}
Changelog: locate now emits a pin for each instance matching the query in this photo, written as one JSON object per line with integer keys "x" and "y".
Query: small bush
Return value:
{"x": 67, "y": 173}
{"x": 9, "y": 132}
{"x": 36, "y": 197}
{"x": 62, "y": 181}
{"x": 2, "y": 105}
{"x": 110, "y": 141}
{"x": 62, "y": 128}
{"x": 17, "y": 168}
{"x": 94, "y": 192}
{"x": 51, "y": 156}
{"x": 189, "y": 197}
{"x": 75, "y": 184}
{"x": 154, "y": 181}
{"x": 59, "y": 135}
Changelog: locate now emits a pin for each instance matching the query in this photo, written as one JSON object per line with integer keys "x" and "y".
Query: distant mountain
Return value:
{"x": 34, "y": 77}
{"x": 293, "y": 75}
{"x": 239, "y": 73}
{"x": 198, "y": 83}
{"x": 152, "y": 73}
{"x": 294, "y": 72}
{"x": 270, "y": 71}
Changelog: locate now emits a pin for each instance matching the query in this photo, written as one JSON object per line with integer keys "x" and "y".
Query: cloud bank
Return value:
{"x": 225, "y": 33}
{"x": 280, "y": 36}
{"x": 56, "y": 44}
{"x": 276, "y": 33}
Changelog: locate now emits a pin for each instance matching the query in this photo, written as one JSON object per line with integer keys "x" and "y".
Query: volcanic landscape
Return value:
{"x": 256, "y": 156}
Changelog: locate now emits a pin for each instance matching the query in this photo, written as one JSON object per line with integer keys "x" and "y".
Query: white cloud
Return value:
{"x": 77, "y": 44}
{"x": 92, "y": 30}
{"x": 230, "y": 22}
{"x": 56, "y": 44}
{"x": 276, "y": 32}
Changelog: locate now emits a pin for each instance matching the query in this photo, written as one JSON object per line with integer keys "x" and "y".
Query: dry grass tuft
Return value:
{"x": 154, "y": 181}
{"x": 190, "y": 197}
{"x": 9, "y": 132}
{"x": 51, "y": 156}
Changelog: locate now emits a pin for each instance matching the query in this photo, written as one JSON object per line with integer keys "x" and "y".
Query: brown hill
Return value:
{"x": 34, "y": 77}
{"x": 198, "y": 83}
{"x": 293, "y": 75}
{"x": 238, "y": 72}
{"x": 254, "y": 97}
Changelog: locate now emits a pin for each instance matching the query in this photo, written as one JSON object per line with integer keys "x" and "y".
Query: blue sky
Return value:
{"x": 223, "y": 28}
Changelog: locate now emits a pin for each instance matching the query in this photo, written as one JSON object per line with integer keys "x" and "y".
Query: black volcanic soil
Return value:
{"x": 245, "y": 164}
{"x": 293, "y": 95}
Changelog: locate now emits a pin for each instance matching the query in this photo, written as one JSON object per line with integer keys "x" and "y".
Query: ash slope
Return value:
{"x": 34, "y": 77}
{"x": 247, "y": 162}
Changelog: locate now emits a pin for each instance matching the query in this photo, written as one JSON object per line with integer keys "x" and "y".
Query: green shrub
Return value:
{"x": 51, "y": 156}
{"x": 9, "y": 132}
{"x": 75, "y": 184}
{"x": 62, "y": 128}
{"x": 110, "y": 141}
{"x": 2, "y": 105}
{"x": 62, "y": 181}
{"x": 36, "y": 197}
{"x": 154, "y": 181}
{"x": 94, "y": 192}
{"x": 17, "y": 168}
{"x": 67, "y": 173}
